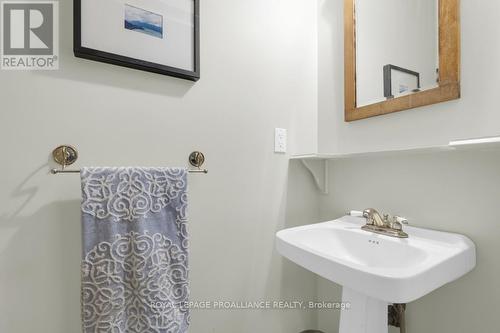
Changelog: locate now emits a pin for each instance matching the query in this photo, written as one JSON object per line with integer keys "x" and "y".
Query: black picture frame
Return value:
{"x": 119, "y": 60}
{"x": 388, "y": 79}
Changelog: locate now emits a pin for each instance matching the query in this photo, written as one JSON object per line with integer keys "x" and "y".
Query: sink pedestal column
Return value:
{"x": 365, "y": 315}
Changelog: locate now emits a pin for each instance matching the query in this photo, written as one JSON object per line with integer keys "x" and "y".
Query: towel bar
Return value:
{"x": 67, "y": 155}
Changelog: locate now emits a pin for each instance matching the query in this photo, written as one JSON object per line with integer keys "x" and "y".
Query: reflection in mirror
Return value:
{"x": 397, "y": 50}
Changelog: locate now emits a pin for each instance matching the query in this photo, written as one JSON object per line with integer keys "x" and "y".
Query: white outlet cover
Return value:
{"x": 280, "y": 140}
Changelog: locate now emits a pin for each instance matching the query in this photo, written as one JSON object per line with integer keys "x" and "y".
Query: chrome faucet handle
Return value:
{"x": 355, "y": 213}
{"x": 397, "y": 222}
{"x": 396, "y": 225}
{"x": 401, "y": 219}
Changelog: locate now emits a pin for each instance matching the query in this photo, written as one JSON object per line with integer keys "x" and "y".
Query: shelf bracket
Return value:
{"x": 319, "y": 171}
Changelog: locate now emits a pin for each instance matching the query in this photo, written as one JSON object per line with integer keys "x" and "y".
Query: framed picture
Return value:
{"x": 159, "y": 36}
{"x": 400, "y": 81}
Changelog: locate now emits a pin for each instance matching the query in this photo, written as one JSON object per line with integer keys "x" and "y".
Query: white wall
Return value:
{"x": 449, "y": 191}
{"x": 259, "y": 71}
{"x": 400, "y": 33}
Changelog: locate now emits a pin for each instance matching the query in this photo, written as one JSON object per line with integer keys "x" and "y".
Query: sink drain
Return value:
{"x": 312, "y": 331}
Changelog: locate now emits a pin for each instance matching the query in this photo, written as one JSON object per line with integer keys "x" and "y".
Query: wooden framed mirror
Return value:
{"x": 400, "y": 55}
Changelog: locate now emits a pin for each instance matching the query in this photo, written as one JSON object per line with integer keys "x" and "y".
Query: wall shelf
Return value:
{"x": 317, "y": 164}
{"x": 338, "y": 156}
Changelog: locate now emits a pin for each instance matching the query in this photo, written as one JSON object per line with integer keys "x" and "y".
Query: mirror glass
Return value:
{"x": 397, "y": 50}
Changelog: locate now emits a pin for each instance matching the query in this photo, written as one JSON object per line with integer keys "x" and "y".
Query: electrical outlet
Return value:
{"x": 280, "y": 140}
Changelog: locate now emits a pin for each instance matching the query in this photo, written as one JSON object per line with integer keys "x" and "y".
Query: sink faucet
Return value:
{"x": 384, "y": 225}
{"x": 373, "y": 218}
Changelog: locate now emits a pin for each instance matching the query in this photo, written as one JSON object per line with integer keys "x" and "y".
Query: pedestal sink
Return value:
{"x": 375, "y": 270}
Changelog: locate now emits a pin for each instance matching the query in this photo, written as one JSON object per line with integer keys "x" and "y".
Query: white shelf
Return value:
{"x": 339, "y": 156}
{"x": 467, "y": 144}
{"x": 317, "y": 164}
{"x": 478, "y": 143}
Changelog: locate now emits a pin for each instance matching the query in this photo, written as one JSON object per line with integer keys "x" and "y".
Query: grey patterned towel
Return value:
{"x": 135, "y": 250}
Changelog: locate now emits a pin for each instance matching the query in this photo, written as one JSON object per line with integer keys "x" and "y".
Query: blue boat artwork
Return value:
{"x": 140, "y": 20}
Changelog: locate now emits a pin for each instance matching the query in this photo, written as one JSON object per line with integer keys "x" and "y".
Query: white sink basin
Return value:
{"x": 376, "y": 269}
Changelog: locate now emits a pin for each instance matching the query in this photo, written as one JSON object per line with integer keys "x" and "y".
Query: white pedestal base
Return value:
{"x": 366, "y": 314}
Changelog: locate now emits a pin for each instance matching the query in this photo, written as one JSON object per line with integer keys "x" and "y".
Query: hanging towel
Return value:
{"x": 135, "y": 250}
